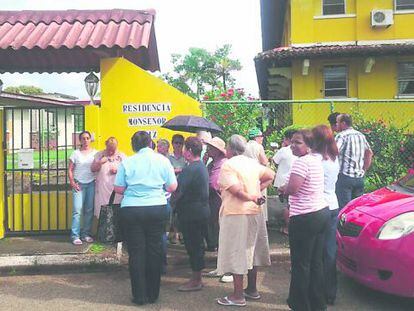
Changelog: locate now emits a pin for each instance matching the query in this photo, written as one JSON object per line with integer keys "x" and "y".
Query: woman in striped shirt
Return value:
{"x": 325, "y": 145}
{"x": 308, "y": 219}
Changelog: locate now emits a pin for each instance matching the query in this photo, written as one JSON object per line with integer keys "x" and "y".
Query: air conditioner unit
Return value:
{"x": 382, "y": 18}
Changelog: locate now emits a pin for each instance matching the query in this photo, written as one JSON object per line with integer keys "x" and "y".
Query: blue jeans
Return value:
{"x": 83, "y": 205}
{"x": 348, "y": 188}
{"x": 329, "y": 257}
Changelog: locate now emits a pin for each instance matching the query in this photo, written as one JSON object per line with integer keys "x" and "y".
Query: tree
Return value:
{"x": 200, "y": 71}
{"x": 225, "y": 65}
{"x": 24, "y": 89}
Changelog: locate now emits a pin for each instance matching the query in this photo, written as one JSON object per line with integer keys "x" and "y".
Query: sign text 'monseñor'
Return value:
{"x": 146, "y": 107}
{"x": 146, "y": 121}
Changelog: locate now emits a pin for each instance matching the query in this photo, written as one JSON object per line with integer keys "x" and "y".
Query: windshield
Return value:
{"x": 407, "y": 182}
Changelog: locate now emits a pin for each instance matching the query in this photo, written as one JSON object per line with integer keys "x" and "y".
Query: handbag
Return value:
{"x": 109, "y": 227}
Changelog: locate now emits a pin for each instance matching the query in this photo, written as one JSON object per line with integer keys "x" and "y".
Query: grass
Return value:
{"x": 97, "y": 248}
{"x": 42, "y": 158}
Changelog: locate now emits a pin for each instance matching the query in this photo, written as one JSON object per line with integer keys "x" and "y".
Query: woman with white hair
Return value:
{"x": 105, "y": 165}
{"x": 255, "y": 150}
{"x": 243, "y": 241}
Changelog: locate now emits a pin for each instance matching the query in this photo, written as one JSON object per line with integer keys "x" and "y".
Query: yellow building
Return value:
{"x": 337, "y": 49}
{"x": 133, "y": 99}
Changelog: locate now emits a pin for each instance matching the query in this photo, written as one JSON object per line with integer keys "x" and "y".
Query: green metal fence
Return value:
{"x": 387, "y": 124}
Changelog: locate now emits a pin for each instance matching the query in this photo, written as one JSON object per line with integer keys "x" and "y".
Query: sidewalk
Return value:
{"x": 52, "y": 254}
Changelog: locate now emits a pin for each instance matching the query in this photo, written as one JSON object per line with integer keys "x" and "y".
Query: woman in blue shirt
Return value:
{"x": 142, "y": 179}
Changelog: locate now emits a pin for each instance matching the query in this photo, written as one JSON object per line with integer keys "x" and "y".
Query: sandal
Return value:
{"x": 77, "y": 242}
{"x": 225, "y": 301}
{"x": 252, "y": 297}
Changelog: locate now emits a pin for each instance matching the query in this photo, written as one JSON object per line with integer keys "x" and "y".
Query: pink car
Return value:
{"x": 375, "y": 238}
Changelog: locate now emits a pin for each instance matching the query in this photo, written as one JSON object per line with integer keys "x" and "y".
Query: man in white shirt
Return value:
{"x": 355, "y": 156}
{"x": 284, "y": 159}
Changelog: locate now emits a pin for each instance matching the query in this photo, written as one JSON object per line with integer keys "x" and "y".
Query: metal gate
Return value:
{"x": 37, "y": 145}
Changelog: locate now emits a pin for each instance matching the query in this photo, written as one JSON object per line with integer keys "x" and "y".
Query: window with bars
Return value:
{"x": 406, "y": 79}
{"x": 78, "y": 123}
{"x": 332, "y": 7}
{"x": 335, "y": 81}
{"x": 401, "y": 5}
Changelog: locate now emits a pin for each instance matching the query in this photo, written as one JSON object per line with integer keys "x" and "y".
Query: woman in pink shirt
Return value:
{"x": 216, "y": 149}
{"x": 309, "y": 216}
{"x": 243, "y": 241}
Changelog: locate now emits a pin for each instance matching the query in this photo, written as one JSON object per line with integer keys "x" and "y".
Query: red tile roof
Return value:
{"x": 73, "y": 40}
{"x": 285, "y": 54}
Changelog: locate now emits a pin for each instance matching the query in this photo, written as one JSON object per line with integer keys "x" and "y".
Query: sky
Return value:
{"x": 179, "y": 25}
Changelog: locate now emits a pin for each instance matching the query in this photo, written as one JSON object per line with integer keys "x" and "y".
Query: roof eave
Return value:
{"x": 286, "y": 56}
{"x": 36, "y": 101}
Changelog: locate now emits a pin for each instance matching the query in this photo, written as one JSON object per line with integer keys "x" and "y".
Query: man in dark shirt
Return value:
{"x": 192, "y": 203}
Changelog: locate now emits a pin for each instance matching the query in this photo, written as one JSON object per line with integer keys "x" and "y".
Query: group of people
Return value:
{"x": 91, "y": 176}
{"x": 217, "y": 190}
{"x": 319, "y": 172}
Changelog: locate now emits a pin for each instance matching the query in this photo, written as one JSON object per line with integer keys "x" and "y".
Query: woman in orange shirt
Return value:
{"x": 243, "y": 241}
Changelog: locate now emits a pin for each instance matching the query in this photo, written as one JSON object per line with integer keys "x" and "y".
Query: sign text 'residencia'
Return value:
{"x": 146, "y": 107}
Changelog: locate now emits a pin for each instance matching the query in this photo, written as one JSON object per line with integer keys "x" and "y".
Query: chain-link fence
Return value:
{"x": 387, "y": 124}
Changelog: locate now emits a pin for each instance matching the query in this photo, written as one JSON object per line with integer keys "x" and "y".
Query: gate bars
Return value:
{"x": 38, "y": 199}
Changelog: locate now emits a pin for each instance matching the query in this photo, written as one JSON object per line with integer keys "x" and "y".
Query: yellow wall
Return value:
{"x": 2, "y": 229}
{"x": 124, "y": 83}
{"x": 305, "y": 28}
{"x": 59, "y": 215}
{"x": 380, "y": 83}
{"x": 286, "y": 38}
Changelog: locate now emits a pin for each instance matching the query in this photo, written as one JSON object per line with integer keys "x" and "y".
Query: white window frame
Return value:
{"x": 346, "y": 80}
{"x": 399, "y": 95}
{"x": 35, "y": 121}
{"x": 51, "y": 120}
{"x": 402, "y": 10}
{"x": 322, "y": 13}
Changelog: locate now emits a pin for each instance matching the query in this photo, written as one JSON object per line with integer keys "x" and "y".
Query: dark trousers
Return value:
{"x": 306, "y": 240}
{"x": 213, "y": 222}
{"x": 348, "y": 188}
{"x": 143, "y": 228}
{"x": 329, "y": 257}
{"x": 193, "y": 233}
{"x": 165, "y": 238}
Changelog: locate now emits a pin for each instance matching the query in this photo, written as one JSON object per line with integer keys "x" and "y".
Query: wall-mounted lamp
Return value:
{"x": 91, "y": 85}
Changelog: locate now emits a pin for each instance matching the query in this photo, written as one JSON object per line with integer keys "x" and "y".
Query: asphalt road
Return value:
{"x": 110, "y": 291}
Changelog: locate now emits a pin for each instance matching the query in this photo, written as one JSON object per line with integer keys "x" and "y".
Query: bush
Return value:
{"x": 392, "y": 147}
{"x": 233, "y": 118}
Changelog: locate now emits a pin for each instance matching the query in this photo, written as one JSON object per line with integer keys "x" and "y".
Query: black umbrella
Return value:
{"x": 191, "y": 124}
